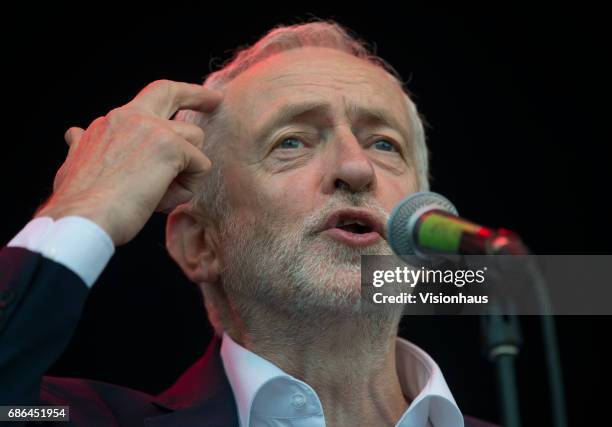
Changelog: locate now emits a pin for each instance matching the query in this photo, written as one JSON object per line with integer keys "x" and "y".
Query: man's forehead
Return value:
{"x": 309, "y": 59}
{"x": 312, "y": 74}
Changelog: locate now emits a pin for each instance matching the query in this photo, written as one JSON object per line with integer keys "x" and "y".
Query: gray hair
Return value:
{"x": 282, "y": 38}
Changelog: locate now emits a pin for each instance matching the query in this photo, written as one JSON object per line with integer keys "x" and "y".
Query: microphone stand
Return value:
{"x": 502, "y": 339}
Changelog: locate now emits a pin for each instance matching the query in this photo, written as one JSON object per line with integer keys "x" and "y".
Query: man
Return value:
{"x": 310, "y": 141}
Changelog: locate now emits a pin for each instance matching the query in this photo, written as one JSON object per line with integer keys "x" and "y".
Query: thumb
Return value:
{"x": 73, "y": 135}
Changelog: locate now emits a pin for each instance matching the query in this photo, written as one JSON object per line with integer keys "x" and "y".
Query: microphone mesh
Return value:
{"x": 399, "y": 229}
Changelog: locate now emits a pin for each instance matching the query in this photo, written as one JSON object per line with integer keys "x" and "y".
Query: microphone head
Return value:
{"x": 400, "y": 227}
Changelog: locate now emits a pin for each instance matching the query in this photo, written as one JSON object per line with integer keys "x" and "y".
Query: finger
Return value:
{"x": 73, "y": 134}
{"x": 190, "y": 132}
{"x": 164, "y": 98}
{"x": 175, "y": 195}
{"x": 196, "y": 166}
{"x": 188, "y": 182}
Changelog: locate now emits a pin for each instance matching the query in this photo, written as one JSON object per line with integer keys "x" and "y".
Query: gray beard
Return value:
{"x": 288, "y": 271}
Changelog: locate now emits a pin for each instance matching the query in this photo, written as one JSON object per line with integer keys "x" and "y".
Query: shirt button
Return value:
{"x": 298, "y": 400}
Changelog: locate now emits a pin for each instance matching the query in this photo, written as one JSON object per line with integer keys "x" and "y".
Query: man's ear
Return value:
{"x": 192, "y": 242}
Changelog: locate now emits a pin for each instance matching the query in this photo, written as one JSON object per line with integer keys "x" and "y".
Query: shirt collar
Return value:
{"x": 246, "y": 373}
{"x": 422, "y": 381}
{"x": 420, "y": 378}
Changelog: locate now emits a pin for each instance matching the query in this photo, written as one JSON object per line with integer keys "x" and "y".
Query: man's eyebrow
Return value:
{"x": 378, "y": 117}
{"x": 289, "y": 113}
{"x": 371, "y": 115}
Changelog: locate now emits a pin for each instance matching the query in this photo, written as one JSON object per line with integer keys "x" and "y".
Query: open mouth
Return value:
{"x": 354, "y": 227}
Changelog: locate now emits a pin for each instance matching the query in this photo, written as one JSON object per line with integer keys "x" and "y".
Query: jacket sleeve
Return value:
{"x": 40, "y": 305}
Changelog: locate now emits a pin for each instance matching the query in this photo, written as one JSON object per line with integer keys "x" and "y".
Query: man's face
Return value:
{"x": 340, "y": 152}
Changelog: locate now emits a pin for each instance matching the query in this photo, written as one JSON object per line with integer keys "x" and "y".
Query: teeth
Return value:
{"x": 350, "y": 221}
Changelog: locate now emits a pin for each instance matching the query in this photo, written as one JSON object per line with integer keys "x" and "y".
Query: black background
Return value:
{"x": 516, "y": 103}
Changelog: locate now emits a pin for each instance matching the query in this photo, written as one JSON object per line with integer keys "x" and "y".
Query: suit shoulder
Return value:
{"x": 107, "y": 404}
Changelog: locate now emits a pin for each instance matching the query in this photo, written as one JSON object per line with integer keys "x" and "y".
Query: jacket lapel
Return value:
{"x": 201, "y": 397}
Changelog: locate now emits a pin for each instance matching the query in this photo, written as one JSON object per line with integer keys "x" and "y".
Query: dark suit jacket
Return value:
{"x": 40, "y": 305}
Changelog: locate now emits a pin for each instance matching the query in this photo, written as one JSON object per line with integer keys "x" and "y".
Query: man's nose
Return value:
{"x": 348, "y": 166}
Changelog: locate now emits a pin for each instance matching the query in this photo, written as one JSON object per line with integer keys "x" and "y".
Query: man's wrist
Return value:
{"x": 59, "y": 210}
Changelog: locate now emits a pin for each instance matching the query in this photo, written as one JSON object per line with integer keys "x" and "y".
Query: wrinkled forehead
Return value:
{"x": 312, "y": 74}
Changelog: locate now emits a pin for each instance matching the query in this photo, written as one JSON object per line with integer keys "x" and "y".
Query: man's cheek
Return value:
{"x": 291, "y": 195}
{"x": 395, "y": 190}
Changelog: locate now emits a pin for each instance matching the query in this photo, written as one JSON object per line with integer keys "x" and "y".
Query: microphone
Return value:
{"x": 425, "y": 228}
{"x": 427, "y": 225}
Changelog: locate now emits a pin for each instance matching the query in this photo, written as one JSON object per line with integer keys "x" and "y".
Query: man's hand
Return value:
{"x": 134, "y": 161}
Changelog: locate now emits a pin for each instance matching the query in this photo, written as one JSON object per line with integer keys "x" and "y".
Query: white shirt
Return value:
{"x": 265, "y": 395}
{"x": 73, "y": 241}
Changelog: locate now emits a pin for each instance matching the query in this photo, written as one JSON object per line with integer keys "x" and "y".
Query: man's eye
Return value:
{"x": 384, "y": 145}
{"x": 288, "y": 143}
